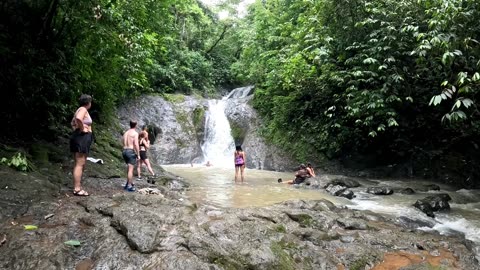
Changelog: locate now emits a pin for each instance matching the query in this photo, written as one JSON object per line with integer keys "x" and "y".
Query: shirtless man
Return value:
{"x": 310, "y": 170}
{"x": 131, "y": 153}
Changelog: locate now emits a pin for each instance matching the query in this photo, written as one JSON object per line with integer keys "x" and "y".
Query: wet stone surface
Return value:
{"x": 122, "y": 230}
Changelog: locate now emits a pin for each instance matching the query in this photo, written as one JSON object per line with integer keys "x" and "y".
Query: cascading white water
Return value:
{"x": 241, "y": 92}
{"x": 218, "y": 146}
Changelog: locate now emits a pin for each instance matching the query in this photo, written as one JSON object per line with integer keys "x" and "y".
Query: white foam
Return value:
{"x": 381, "y": 207}
{"x": 447, "y": 224}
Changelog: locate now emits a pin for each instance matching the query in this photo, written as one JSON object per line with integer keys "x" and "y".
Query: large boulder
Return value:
{"x": 341, "y": 191}
{"x": 245, "y": 124}
{"x": 433, "y": 203}
{"x": 345, "y": 182}
{"x": 335, "y": 190}
{"x": 429, "y": 187}
{"x": 174, "y": 122}
{"x": 380, "y": 190}
{"x": 407, "y": 191}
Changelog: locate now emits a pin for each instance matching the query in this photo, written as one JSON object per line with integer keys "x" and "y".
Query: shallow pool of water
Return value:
{"x": 217, "y": 186}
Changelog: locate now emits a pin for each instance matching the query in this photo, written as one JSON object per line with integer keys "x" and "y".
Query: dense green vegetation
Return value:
{"x": 51, "y": 51}
{"x": 391, "y": 81}
{"x": 371, "y": 82}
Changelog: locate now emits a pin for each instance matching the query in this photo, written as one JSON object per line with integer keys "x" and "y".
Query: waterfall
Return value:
{"x": 241, "y": 92}
{"x": 218, "y": 146}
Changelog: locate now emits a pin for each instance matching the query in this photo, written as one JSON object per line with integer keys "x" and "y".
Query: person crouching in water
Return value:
{"x": 310, "y": 170}
{"x": 144, "y": 144}
{"x": 300, "y": 176}
{"x": 130, "y": 153}
{"x": 240, "y": 161}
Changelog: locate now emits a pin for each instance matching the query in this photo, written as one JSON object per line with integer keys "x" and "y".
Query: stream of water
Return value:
{"x": 215, "y": 185}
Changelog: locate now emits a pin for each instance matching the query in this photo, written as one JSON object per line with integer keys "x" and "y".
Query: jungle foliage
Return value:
{"x": 51, "y": 51}
{"x": 389, "y": 81}
{"x": 397, "y": 81}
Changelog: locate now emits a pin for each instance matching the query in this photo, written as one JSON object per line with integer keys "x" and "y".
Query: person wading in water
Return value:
{"x": 300, "y": 176}
{"x": 240, "y": 161}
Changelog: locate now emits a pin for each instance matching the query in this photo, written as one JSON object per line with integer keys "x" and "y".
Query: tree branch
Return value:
{"x": 218, "y": 40}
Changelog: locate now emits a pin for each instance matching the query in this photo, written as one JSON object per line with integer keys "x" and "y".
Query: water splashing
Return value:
{"x": 218, "y": 144}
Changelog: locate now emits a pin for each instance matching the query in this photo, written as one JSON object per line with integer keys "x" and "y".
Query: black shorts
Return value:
{"x": 299, "y": 180}
{"x": 129, "y": 156}
{"x": 80, "y": 142}
{"x": 239, "y": 165}
{"x": 143, "y": 155}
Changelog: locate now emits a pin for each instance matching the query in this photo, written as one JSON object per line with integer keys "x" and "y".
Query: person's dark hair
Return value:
{"x": 133, "y": 124}
{"x": 84, "y": 99}
{"x": 309, "y": 165}
{"x": 238, "y": 148}
{"x": 302, "y": 166}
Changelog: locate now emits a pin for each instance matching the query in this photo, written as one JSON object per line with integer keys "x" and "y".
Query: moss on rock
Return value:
{"x": 174, "y": 98}
{"x": 285, "y": 261}
{"x": 198, "y": 118}
{"x": 238, "y": 133}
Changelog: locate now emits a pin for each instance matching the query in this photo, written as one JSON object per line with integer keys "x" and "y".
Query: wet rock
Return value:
{"x": 380, "y": 190}
{"x": 313, "y": 183}
{"x": 347, "y": 239}
{"x": 414, "y": 223}
{"x": 172, "y": 124}
{"x": 335, "y": 190}
{"x": 178, "y": 122}
{"x": 341, "y": 191}
{"x": 120, "y": 230}
{"x": 345, "y": 182}
{"x": 347, "y": 194}
{"x": 434, "y": 203}
{"x": 323, "y": 205}
{"x": 431, "y": 187}
{"x": 150, "y": 191}
{"x": 244, "y": 122}
{"x": 352, "y": 224}
{"x": 86, "y": 264}
{"x": 407, "y": 191}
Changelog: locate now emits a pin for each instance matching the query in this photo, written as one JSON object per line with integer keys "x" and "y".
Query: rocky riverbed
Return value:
{"x": 164, "y": 230}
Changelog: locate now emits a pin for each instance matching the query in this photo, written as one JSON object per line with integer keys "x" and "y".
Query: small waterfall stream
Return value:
{"x": 218, "y": 146}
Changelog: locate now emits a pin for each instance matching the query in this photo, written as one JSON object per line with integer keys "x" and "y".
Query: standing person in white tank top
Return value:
{"x": 80, "y": 141}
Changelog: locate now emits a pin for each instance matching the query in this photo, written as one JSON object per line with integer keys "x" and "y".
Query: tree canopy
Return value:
{"x": 393, "y": 80}
{"x": 51, "y": 51}
{"x": 388, "y": 81}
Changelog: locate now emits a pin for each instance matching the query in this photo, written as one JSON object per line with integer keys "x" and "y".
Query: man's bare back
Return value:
{"x": 130, "y": 140}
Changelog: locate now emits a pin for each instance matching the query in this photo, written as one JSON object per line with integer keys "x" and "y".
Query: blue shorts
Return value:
{"x": 129, "y": 156}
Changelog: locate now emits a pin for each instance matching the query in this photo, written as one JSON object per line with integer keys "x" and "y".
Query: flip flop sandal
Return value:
{"x": 81, "y": 193}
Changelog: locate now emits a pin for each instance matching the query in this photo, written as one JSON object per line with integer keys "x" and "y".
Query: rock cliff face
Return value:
{"x": 121, "y": 230}
{"x": 177, "y": 128}
{"x": 246, "y": 125}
